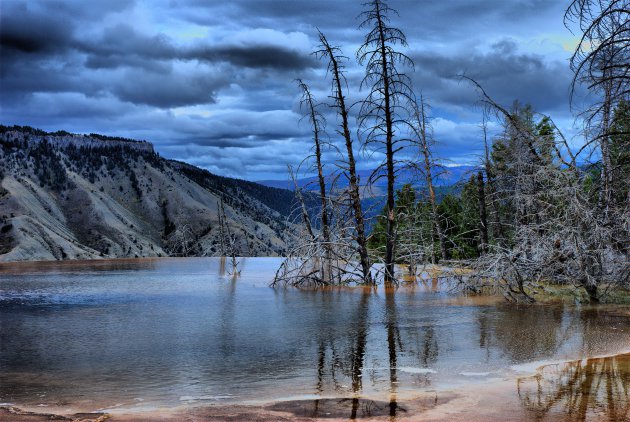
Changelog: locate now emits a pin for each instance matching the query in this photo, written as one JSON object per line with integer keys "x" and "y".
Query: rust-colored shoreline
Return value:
{"x": 113, "y": 260}
{"x": 79, "y": 262}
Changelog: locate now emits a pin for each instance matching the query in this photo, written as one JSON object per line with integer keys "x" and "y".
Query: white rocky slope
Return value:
{"x": 80, "y": 197}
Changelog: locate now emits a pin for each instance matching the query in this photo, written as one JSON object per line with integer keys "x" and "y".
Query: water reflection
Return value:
{"x": 525, "y": 333}
{"x": 330, "y": 357}
{"x": 504, "y": 332}
{"x": 357, "y": 356}
{"x": 579, "y": 390}
{"x": 351, "y": 362}
{"x": 358, "y": 352}
{"x": 227, "y": 315}
{"x": 356, "y": 407}
{"x": 185, "y": 331}
{"x": 394, "y": 342}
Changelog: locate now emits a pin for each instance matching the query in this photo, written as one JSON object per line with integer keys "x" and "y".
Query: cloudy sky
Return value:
{"x": 213, "y": 82}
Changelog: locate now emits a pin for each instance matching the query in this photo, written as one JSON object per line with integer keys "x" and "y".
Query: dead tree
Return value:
{"x": 228, "y": 240}
{"x": 182, "y": 242}
{"x": 316, "y": 121}
{"x": 558, "y": 237}
{"x": 301, "y": 265}
{"x": 222, "y": 239}
{"x": 383, "y": 110}
{"x": 602, "y": 56}
{"x": 424, "y": 139}
{"x": 316, "y": 259}
{"x": 306, "y": 219}
{"x": 335, "y": 67}
{"x": 601, "y": 62}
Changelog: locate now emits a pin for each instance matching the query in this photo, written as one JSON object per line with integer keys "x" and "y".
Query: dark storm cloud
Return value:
{"x": 504, "y": 73}
{"x": 247, "y": 129}
{"x": 31, "y": 32}
{"x": 48, "y": 27}
{"x": 259, "y": 56}
{"x": 213, "y": 82}
{"x": 121, "y": 44}
{"x": 167, "y": 90}
{"x": 341, "y": 18}
{"x": 43, "y": 53}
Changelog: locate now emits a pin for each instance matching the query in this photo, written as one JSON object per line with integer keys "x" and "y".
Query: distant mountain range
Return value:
{"x": 443, "y": 177}
{"x": 446, "y": 180}
{"x": 67, "y": 196}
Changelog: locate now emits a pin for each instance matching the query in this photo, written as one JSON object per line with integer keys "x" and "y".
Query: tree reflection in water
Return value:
{"x": 393, "y": 341}
{"x": 379, "y": 341}
{"x": 347, "y": 359}
{"x": 582, "y": 390}
{"x": 171, "y": 331}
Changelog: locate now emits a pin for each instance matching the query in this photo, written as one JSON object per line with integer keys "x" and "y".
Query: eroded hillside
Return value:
{"x": 65, "y": 196}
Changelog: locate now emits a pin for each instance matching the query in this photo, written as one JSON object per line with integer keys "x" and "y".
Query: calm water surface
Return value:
{"x": 176, "y": 331}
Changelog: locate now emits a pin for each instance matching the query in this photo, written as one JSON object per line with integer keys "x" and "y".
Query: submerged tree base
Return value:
{"x": 319, "y": 272}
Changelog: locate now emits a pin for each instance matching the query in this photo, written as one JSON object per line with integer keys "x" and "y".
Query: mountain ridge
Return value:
{"x": 69, "y": 196}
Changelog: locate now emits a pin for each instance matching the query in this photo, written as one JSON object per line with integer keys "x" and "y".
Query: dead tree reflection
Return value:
{"x": 338, "y": 361}
{"x": 335, "y": 359}
{"x": 394, "y": 343}
{"x": 579, "y": 391}
{"x": 227, "y": 342}
{"x": 358, "y": 351}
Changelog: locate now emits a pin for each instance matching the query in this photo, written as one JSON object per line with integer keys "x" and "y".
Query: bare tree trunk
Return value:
{"x": 315, "y": 123}
{"x": 231, "y": 240}
{"x": 605, "y": 195}
{"x": 353, "y": 188}
{"x": 483, "y": 222}
{"x": 390, "y": 253}
{"x": 382, "y": 111}
{"x": 305, "y": 217}
{"x": 221, "y": 233}
{"x": 428, "y": 163}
